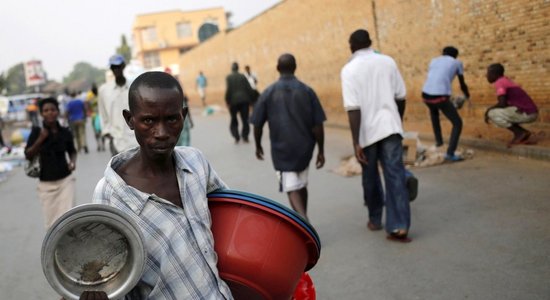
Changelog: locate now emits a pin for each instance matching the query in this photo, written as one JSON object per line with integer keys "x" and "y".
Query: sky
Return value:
{"x": 61, "y": 33}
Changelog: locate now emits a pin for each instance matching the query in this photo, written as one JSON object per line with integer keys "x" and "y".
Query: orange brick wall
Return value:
{"x": 513, "y": 32}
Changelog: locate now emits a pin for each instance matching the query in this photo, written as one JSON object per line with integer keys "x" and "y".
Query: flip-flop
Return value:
{"x": 523, "y": 140}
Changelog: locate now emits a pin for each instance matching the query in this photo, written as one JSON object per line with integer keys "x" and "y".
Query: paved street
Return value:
{"x": 480, "y": 228}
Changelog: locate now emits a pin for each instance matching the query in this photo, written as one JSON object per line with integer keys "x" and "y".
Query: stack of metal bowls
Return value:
{"x": 93, "y": 247}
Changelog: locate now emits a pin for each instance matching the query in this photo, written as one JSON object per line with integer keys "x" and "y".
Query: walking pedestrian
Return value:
{"x": 52, "y": 143}
{"x": 76, "y": 116}
{"x": 32, "y": 112}
{"x": 2, "y": 124}
{"x": 253, "y": 81}
{"x": 201, "y": 84}
{"x": 112, "y": 100}
{"x": 163, "y": 188}
{"x": 437, "y": 92}
{"x": 91, "y": 100}
{"x": 238, "y": 95}
{"x": 371, "y": 85}
{"x": 514, "y": 106}
{"x": 185, "y": 135}
{"x": 295, "y": 117}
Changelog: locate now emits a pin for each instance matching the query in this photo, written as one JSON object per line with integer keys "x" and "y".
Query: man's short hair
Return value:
{"x": 234, "y": 66}
{"x": 286, "y": 63}
{"x": 450, "y": 51}
{"x": 360, "y": 38}
{"x": 45, "y": 101}
{"x": 154, "y": 79}
{"x": 497, "y": 69}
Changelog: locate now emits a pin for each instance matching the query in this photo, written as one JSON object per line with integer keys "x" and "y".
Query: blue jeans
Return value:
{"x": 389, "y": 152}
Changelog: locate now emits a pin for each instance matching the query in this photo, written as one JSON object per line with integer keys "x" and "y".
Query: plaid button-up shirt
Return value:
{"x": 181, "y": 262}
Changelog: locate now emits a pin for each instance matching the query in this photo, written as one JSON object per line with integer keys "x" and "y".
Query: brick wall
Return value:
{"x": 513, "y": 32}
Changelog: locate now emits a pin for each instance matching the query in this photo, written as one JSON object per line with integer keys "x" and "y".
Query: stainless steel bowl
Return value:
{"x": 93, "y": 247}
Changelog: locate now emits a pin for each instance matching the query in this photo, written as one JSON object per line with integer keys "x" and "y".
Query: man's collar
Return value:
{"x": 287, "y": 76}
{"x": 133, "y": 197}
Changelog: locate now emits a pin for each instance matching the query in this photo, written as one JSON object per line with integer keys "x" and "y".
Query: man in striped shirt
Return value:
{"x": 164, "y": 189}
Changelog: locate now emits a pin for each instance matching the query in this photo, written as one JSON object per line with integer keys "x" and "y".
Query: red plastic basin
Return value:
{"x": 262, "y": 253}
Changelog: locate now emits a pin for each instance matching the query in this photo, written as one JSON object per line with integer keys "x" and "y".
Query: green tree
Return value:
{"x": 2, "y": 83}
{"x": 85, "y": 71}
{"x": 124, "y": 49}
{"x": 15, "y": 80}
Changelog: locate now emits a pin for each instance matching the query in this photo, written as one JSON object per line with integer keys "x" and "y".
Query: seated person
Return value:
{"x": 514, "y": 106}
{"x": 163, "y": 188}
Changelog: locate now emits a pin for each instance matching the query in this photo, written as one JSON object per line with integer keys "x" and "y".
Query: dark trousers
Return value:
{"x": 450, "y": 112}
{"x": 241, "y": 109}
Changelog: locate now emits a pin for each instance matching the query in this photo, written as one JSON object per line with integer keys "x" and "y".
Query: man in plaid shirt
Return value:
{"x": 164, "y": 189}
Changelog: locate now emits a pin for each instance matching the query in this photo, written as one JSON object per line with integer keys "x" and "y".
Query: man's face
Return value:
{"x": 157, "y": 120}
{"x": 117, "y": 70}
{"x": 491, "y": 77}
{"x": 49, "y": 113}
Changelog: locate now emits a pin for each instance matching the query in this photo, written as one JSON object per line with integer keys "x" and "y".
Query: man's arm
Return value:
{"x": 227, "y": 91}
{"x": 463, "y": 85}
{"x": 319, "y": 134}
{"x": 354, "y": 117}
{"x": 103, "y": 114}
{"x": 401, "y": 104}
{"x": 258, "y": 131}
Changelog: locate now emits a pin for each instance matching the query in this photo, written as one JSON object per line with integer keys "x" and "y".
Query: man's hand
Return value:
{"x": 44, "y": 132}
{"x": 259, "y": 152}
{"x": 360, "y": 155}
{"x": 320, "y": 160}
{"x": 92, "y": 295}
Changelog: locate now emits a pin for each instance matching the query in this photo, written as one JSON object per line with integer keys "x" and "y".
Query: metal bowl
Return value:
{"x": 93, "y": 247}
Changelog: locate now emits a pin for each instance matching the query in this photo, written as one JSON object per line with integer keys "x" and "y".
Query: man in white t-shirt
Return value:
{"x": 371, "y": 88}
{"x": 112, "y": 99}
{"x": 253, "y": 81}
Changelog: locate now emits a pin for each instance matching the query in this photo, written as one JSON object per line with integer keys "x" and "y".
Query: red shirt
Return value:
{"x": 515, "y": 95}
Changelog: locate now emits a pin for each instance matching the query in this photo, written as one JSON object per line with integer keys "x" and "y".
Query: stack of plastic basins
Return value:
{"x": 263, "y": 247}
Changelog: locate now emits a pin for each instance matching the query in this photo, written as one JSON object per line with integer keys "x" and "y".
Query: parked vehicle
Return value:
{"x": 16, "y": 105}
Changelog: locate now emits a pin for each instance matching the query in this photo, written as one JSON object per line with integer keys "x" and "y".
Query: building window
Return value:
{"x": 207, "y": 30}
{"x": 151, "y": 60}
{"x": 184, "y": 30}
{"x": 149, "y": 34}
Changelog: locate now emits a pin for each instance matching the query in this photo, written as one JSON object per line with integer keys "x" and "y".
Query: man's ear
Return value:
{"x": 128, "y": 118}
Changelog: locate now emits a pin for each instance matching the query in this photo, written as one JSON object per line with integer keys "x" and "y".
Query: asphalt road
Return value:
{"x": 480, "y": 228}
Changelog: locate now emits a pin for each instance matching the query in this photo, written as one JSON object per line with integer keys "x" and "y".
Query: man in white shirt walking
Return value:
{"x": 371, "y": 85}
{"x": 112, "y": 100}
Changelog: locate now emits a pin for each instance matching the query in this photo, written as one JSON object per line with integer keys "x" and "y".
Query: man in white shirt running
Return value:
{"x": 371, "y": 84}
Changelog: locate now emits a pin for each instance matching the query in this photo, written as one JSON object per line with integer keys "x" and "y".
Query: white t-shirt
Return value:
{"x": 251, "y": 79}
{"x": 371, "y": 82}
{"x": 111, "y": 101}
{"x": 441, "y": 72}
